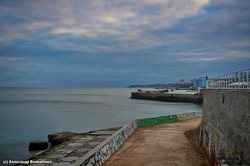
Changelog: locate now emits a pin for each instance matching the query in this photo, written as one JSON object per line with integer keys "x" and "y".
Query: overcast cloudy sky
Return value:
{"x": 116, "y": 43}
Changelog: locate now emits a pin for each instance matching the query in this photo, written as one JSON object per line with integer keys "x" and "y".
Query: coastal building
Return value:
{"x": 200, "y": 82}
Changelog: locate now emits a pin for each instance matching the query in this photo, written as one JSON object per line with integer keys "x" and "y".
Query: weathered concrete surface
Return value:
{"x": 58, "y": 138}
{"x": 164, "y": 144}
{"x": 69, "y": 152}
{"x": 225, "y": 130}
{"x": 159, "y": 96}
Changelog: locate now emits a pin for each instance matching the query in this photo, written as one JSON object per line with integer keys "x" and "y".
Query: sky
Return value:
{"x": 117, "y": 43}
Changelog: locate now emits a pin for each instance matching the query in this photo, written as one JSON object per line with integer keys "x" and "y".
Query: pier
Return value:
{"x": 169, "y": 97}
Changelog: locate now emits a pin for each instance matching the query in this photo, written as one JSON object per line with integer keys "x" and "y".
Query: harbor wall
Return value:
{"x": 225, "y": 129}
{"x": 155, "y": 95}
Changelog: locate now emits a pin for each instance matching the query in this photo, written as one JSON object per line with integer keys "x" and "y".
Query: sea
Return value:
{"x": 28, "y": 114}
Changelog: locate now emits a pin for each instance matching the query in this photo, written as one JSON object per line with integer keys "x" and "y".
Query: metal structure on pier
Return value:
{"x": 238, "y": 79}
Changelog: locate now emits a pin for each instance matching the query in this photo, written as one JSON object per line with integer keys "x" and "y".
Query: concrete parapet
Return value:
{"x": 225, "y": 131}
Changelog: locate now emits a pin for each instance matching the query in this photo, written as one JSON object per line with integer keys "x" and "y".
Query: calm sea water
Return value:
{"x": 28, "y": 114}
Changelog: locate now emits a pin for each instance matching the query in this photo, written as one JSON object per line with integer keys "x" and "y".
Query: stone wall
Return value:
{"x": 225, "y": 130}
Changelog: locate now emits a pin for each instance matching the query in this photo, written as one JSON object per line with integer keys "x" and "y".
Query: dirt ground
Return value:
{"x": 172, "y": 144}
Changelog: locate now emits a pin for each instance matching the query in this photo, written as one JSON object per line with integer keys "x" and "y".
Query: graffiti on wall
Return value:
{"x": 99, "y": 157}
{"x": 156, "y": 120}
{"x": 219, "y": 152}
{"x": 198, "y": 114}
{"x": 90, "y": 161}
{"x": 129, "y": 130}
{"x": 166, "y": 119}
{"x": 186, "y": 116}
{"x": 146, "y": 122}
{"x": 206, "y": 139}
{"x": 116, "y": 142}
{"x": 103, "y": 154}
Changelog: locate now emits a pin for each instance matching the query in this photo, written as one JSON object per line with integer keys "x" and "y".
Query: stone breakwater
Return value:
{"x": 161, "y": 96}
{"x": 95, "y": 148}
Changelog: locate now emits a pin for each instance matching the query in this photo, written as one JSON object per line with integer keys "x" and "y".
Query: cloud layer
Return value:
{"x": 117, "y": 43}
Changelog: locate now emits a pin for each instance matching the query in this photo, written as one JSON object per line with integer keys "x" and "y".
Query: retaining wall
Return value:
{"x": 225, "y": 131}
{"x": 103, "y": 152}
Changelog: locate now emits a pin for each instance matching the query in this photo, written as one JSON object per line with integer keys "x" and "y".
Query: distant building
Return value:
{"x": 182, "y": 81}
{"x": 200, "y": 82}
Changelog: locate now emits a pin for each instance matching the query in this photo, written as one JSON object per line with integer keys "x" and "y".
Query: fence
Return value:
{"x": 238, "y": 79}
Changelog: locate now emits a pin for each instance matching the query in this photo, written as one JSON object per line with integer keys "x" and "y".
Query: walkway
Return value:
{"x": 162, "y": 145}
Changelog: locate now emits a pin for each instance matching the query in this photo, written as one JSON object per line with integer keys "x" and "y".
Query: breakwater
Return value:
{"x": 225, "y": 131}
{"x": 161, "y": 96}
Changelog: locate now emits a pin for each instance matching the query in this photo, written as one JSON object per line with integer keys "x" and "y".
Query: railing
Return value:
{"x": 238, "y": 79}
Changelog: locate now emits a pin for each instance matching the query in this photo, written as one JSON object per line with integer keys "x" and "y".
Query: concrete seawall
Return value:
{"x": 155, "y": 95}
{"x": 225, "y": 131}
